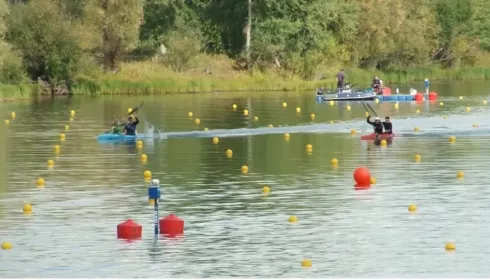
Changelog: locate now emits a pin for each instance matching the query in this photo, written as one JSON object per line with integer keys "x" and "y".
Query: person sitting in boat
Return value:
{"x": 376, "y": 85}
{"x": 117, "y": 127}
{"x": 388, "y": 125}
{"x": 130, "y": 128}
{"x": 378, "y": 126}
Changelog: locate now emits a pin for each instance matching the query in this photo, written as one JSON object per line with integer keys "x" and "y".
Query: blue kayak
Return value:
{"x": 119, "y": 137}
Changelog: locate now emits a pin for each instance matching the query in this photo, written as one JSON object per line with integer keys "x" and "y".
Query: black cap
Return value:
{"x": 387, "y": 118}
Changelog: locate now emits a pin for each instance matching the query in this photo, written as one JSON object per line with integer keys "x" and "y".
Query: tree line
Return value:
{"x": 60, "y": 41}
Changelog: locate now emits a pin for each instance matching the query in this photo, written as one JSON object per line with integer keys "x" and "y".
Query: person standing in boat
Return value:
{"x": 378, "y": 126}
{"x": 340, "y": 79}
{"x": 130, "y": 128}
{"x": 388, "y": 126}
{"x": 376, "y": 85}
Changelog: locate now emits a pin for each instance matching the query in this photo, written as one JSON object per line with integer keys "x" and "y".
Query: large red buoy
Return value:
{"x": 362, "y": 176}
{"x": 419, "y": 97}
{"x": 172, "y": 225}
{"x": 432, "y": 96}
{"x": 129, "y": 230}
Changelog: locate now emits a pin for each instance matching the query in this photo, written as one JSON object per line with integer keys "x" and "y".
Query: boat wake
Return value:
{"x": 426, "y": 126}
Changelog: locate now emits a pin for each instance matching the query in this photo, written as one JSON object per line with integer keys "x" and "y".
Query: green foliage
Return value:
{"x": 11, "y": 68}
{"x": 47, "y": 40}
{"x": 115, "y": 25}
{"x": 181, "y": 50}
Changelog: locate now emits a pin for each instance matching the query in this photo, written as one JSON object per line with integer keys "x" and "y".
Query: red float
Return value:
{"x": 171, "y": 226}
{"x": 129, "y": 230}
{"x": 432, "y": 96}
{"x": 362, "y": 176}
{"x": 386, "y": 91}
{"x": 419, "y": 97}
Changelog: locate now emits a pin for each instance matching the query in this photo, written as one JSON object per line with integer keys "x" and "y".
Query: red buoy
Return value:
{"x": 432, "y": 96}
{"x": 362, "y": 176}
{"x": 172, "y": 225}
{"x": 419, "y": 97}
{"x": 129, "y": 230}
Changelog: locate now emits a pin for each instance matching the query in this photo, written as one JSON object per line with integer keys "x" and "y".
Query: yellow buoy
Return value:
{"x": 306, "y": 263}
{"x": 139, "y": 143}
{"x": 312, "y": 116}
{"x": 460, "y": 174}
{"x": 215, "y": 140}
{"x": 40, "y": 181}
{"x": 309, "y": 147}
{"x": 412, "y": 208}
{"x": 62, "y": 136}
{"x": 256, "y": 118}
{"x": 444, "y": 117}
{"x": 347, "y": 108}
{"x": 234, "y": 106}
{"x": 353, "y": 132}
{"x": 461, "y": 97}
{"x": 373, "y": 181}
{"x": 284, "y": 104}
{"x": 441, "y": 103}
{"x": 287, "y": 136}
{"x": 417, "y": 112}
{"x": 450, "y": 246}
{"x": 293, "y": 219}
{"x": 415, "y": 129}
{"x": 27, "y": 208}
{"x": 417, "y": 157}
{"x": 245, "y": 169}
{"x": 7, "y": 122}
{"x": 245, "y": 112}
{"x": 376, "y": 100}
{"x": 452, "y": 139}
{"x": 383, "y": 143}
{"x": 366, "y": 114}
{"x": 67, "y": 127}
{"x": 270, "y": 126}
{"x": 56, "y": 149}
{"x": 396, "y": 105}
{"x": 468, "y": 109}
{"x": 197, "y": 121}
{"x": 266, "y": 190}
{"x": 12, "y": 115}
{"x": 130, "y": 110}
{"x": 298, "y": 110}
{"x": 6, "y": 246}
{"x": 143, "y": 157}
{"x": 206, "y": 129}
{"x": 475, "y": 125}
{"x": 484, "y": 102}
{"x": 190, "y": 114}
{"x": 71, "y": 119}
{"x": 334, "y": 161}
{"x": 50, "y": 163}
{"x": 72, "y": 113}
{"x": 330, "y": 122}
{"x": 147, "y": 174}
{"x": 331, "y": 103}
{"x": 229, "y": 153}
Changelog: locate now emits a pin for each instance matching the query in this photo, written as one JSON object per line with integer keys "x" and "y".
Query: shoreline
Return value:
{"x": 146, "y": 78}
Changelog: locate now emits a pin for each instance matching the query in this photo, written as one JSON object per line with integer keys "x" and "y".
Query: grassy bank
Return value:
{"x": 154, "y": 78}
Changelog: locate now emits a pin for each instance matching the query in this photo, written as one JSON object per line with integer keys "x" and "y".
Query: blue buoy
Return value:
{"x": 154, "y": 193}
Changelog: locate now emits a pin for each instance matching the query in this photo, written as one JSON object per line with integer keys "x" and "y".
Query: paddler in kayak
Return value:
{"x": 378, "y": 126}
{"x": 117, "y": 127}
{"x": 130, "y": 128}
{"x": 388, "y": 125}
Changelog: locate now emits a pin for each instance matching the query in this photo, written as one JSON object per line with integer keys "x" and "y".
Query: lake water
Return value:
{"x": 231, "y": 228}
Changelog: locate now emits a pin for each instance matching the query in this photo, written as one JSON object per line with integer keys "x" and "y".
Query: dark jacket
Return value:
{"x": 130, "y": 128}
{"x": 378, "y": 127}
{"x": 388, "y": 127}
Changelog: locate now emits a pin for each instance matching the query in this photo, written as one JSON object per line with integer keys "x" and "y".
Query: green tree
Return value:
{"x": 115, "y": 25}
{"x": 47, "y": 40}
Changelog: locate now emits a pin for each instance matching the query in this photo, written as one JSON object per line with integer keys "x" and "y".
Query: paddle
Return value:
{"x": 135, "y": 109}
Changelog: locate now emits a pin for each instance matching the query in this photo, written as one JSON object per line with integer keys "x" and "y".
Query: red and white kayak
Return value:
{"x": 372, "y": 136}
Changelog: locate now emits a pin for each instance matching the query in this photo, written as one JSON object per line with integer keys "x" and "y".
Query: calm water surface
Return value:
{"x": 231, "y": 228}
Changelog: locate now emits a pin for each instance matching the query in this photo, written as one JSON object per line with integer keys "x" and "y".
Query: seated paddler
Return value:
{"x": 117, "y": 127}
{"x": 388, "y": 126}
{"x": 130, "y": 128}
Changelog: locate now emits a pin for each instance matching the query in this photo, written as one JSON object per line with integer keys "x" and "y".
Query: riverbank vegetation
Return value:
{"x": 58, "y": 47}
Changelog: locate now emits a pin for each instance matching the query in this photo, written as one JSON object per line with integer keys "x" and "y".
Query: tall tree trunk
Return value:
{"x": 248, "y": 34}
